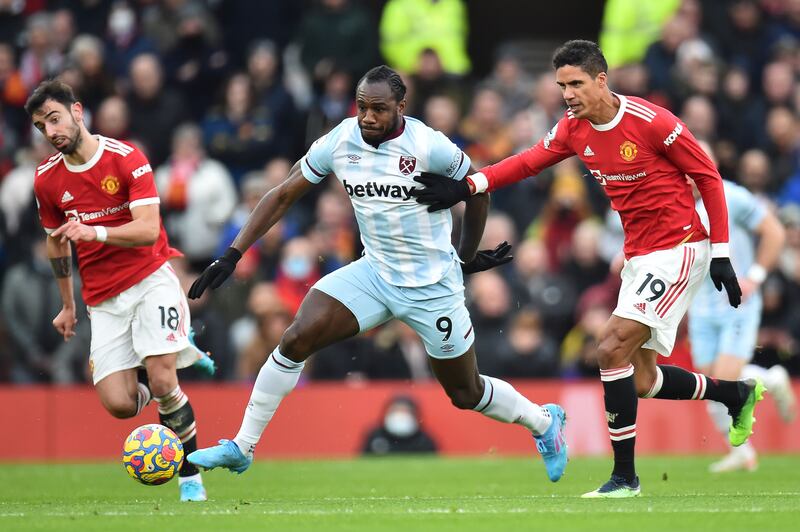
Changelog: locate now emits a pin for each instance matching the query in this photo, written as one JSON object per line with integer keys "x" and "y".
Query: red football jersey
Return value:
{"x": 102, "y": 191}
{"x": 640, "y": 159}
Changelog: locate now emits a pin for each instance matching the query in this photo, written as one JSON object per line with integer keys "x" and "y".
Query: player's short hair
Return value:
{"x": 51, "y": 89}
{"x": 390, "y": 76}
{"x": 580, "y": 53}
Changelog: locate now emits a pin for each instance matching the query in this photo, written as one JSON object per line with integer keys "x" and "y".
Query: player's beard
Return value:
{"x": 380, "y": 136}
{"x": 73, "y": 142}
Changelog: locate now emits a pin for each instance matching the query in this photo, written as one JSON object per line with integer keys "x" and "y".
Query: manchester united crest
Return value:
{"x": 628, "y": 150}
{"x": 110, "y": 184}
{"x": 407, "y": 164}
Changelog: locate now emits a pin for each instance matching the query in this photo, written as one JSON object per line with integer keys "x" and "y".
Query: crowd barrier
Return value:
{"x": 330, "y": 420}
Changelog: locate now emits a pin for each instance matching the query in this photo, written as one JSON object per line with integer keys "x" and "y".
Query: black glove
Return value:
{"x": 216, "y": 273}
{"x": 440, "y": 192}
{"x": 488, "y": 258}
{"x": 723, "y": 275}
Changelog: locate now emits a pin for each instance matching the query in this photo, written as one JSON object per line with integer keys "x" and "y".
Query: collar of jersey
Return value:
{"x": 91, "y": 162}
{"x": 393, "y": 135}
{"x": 623, "y": 103}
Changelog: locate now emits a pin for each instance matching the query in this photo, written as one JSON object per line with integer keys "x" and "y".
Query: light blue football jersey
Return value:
{"x": 403, "y": 242}
{"x": 745, "y": 214}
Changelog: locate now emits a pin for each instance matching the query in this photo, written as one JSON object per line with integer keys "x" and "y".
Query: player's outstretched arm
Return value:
{"x": 439, "y": 192}
{"x": 269, "y": 210}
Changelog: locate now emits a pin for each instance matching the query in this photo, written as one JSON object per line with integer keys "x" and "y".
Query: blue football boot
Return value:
{"x": 227, "y": 454}
{"x": 204, "y": 363}
{"x": 553, "y": 445}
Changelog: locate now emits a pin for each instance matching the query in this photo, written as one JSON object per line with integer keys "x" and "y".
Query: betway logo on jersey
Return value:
{"x": 139, "y": 172}
{"x": 372, "y": 190}
{"x": 674, "y": 135}
{"x": 89, "y": 216}
{"x": 602, "y": 178}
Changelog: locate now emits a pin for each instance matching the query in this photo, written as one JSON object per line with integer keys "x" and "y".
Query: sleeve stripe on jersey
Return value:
{"x": 641, "y": 108}
{"x": 115, "y": 150}
{"x": 143, "y": 201}
{"x": 318, "y": 174}
{"x": 640, "y": 115}
{"x": 118, "y": 145}
{"x": 47, "y": 166}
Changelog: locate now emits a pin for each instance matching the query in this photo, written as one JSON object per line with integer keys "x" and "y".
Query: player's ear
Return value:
{"x": 76, "y": 109}
{"x": 401, "y": 106}
{"x": 602, "y": 79}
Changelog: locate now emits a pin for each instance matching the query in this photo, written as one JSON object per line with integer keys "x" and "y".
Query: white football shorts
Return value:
{"x": 150, "y": 318}
{"x": 658, "y": 287}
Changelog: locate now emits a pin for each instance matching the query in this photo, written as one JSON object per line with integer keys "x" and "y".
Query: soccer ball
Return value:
{"x": 153, "y": 454}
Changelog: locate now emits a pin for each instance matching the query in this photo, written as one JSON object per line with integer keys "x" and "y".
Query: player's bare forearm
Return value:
{"x": 143, "y": 230}
{"x": 475, "y": 212}
{"x": 272, "y": 207}
{"x": 772, "y": 237}
{"x": 60, "y": 255}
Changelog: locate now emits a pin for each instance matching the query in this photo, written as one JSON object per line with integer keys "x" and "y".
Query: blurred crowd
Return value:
{"x": 224, "y": 95}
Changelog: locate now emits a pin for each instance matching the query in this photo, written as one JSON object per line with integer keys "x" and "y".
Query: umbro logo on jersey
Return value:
{"x": 66, "y": 197}
{"x": 588, "y": 152}
{"x": 353, "y": 158}
{"x": 640, "y": 307}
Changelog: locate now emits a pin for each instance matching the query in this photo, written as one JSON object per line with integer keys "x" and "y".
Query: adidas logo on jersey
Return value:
{"x": 171, "y": 338}
{"x": 66, "y": 197}
{"x": 640, "y": 307}
{"x": 588, "y": 152}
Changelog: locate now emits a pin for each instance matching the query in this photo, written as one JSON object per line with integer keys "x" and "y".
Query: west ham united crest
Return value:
{"x": 407, "y": 164}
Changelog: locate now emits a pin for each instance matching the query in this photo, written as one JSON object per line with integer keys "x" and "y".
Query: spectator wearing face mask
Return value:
{"x": 297, "y": 272}
{"x": 400, "y": 431}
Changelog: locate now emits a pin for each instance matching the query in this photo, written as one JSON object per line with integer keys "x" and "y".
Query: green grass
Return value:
{"x": 407, "y": 494}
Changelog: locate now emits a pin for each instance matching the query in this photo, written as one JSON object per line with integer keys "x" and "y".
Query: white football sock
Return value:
{"x": 751, "y": 371}
{"x": 143, "y": 396}
{"x": 195, "y": 478}
{"x": 502, "y": 402}
{"x": 720, "y": 417}
{"x": 278, "y": 377}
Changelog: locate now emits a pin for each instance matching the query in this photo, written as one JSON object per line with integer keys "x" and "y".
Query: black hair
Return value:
{"x": 51, "y": 89}
{"x": 384, "y": 73}
{"x": 583, "y": 54}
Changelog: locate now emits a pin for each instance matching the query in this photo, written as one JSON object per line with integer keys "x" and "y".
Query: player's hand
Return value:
{"x": 488, "y": 258}
{"x": 440, "y": 192}
{"x": 65, "y": 322}
{"x": 722, "y": 274}
{"x": 216, "y": 273}
{"x": 749, "y": 287}
{"x": 76, "y": 232}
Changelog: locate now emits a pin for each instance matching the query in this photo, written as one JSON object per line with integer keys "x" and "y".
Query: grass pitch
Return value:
{"x": 407, "y": 494}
